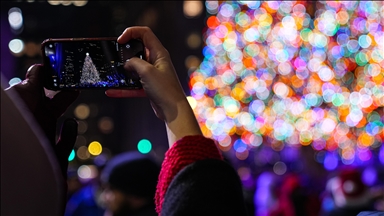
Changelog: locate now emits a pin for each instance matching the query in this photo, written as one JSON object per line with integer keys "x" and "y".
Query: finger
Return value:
{"x": 151, "y": 42}
{"x": 140, "y": 66}
{"x": 148, "y": 73}
{"x": 35, "y": 76}
{"x": 66, "y": 142}
{"x": 121, "y": 93}
{"x": 31, "y": 88}
{"x": 61, "y": 101}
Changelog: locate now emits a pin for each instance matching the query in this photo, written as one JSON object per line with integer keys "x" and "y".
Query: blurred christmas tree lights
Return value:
{"x": 280, "y": 74}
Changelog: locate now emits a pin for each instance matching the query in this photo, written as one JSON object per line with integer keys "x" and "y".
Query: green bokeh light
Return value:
{"x": 72, "y": 155}
{"x": 144, "y": 146}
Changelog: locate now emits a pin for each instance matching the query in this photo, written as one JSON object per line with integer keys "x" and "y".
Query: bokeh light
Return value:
{"x": 83, "y": 153}
{"x": 14, "y": 81}
{"x": 82, "y": 127}
{"x": 192, "y": 8}
{"x": 144, "y": 146}
{"x": 95, "y": 148}
{"x": 87, "y": 172}
{"x": 106, "y": 125}
{"x": 80, "y": 3}
{"x": 82, "y": 111}
{"x": 194, "y": 41}
{"x": 275, "y": 75}
{"x": 15, "y": 18}
{"x": 16, "y": 46}
{"x": 72, "y": 155}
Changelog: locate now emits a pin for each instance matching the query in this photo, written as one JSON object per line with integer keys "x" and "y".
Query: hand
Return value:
{"x": 157, "y": 75}
{"x": 47, "y": 111}
{"x": 160, "y": 84}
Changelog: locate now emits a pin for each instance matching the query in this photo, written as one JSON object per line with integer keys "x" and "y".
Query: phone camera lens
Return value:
{"x": 127, "y": 46}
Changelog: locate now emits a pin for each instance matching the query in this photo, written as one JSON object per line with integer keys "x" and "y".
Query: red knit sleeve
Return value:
{"x": 184, "y": 152}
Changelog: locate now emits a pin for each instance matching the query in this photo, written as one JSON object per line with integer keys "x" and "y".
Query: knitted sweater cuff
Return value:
{"x": 185, "y": 151}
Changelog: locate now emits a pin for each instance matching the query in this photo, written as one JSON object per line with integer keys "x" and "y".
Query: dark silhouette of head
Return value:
{"x": 130, "y": 182}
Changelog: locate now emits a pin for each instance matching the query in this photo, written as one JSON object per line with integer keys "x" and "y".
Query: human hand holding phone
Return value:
{"x": 160, "y": 84}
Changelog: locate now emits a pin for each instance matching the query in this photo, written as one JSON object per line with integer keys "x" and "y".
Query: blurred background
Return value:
{"x": 285, "y": 87}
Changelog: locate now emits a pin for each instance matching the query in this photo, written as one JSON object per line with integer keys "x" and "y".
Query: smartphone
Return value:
{"x": 89, "y": 63}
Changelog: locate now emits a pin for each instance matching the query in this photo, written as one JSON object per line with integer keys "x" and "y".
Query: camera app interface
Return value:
{"x": 90, "y": 64}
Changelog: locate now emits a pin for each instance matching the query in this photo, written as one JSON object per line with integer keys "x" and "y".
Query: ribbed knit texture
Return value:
{"x": 185, "y": 151}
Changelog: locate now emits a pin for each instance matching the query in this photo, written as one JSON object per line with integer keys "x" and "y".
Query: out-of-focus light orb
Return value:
{"x": 66, "y": 2}
{"x": 280, "y": 168}
{"x": 194, "y": 41}
{"x": 83, "y": 153}
{"x": 82, "y": 111}
{"x": 192, "y": 102}
{"x": 86, "y": 172}
{"x": 330, "y": 161}
{"x": 106, "y": 125}
{"x": 14, "y": 81}
{"x": 82, "y": 127}
{"x": 15, "y": 18}
{"x": 212, "y": 6}
{"x": 192, "y": 61}
{"x": 95, "y": 148}
{"x": 79, "y": 3}
{"x": 54, "y": 2}
{"x": 16, "y": 46}
{"x": 192, "y": 8}
{"x": 72, "y": 155}
{"x": 328, "y": 125}
{"x": 369, "y": 176}
{"x": 144, "y": 146}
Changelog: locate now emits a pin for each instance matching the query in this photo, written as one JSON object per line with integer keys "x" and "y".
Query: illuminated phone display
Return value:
{"x": 90, "y": 63}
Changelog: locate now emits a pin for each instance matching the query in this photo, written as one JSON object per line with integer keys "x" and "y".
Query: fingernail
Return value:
{"x": 127, "y": 60}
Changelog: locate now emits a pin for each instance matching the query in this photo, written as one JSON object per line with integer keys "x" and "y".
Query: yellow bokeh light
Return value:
{"x": 82, "y": 111}
{"x": 95, "y": 148}
{"x": 365, "y": 140}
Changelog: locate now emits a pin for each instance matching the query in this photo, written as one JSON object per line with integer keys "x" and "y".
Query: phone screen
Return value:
{"x": 90, "y": 63}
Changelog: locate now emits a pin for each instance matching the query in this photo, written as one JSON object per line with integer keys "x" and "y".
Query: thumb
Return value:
{"x": 139, "y": 66}
{"x": 66, "y": 142}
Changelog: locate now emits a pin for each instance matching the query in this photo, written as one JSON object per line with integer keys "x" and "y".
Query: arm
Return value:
{"x": 161, "y": 85}
{"x": 184, "y": 152}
